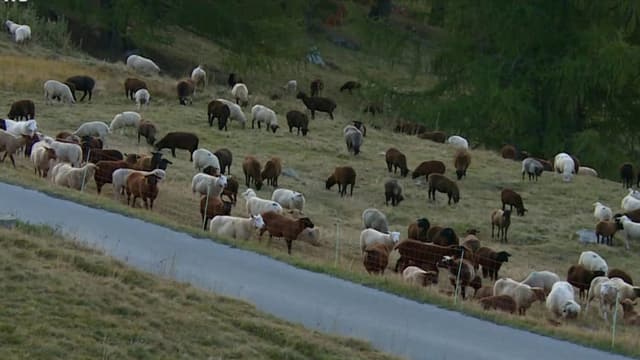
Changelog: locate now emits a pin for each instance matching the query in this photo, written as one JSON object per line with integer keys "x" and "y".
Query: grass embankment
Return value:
{"x": 543, "y": 239}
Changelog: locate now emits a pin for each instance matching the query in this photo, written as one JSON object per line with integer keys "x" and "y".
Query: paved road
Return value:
{"x": 391, "y": 323}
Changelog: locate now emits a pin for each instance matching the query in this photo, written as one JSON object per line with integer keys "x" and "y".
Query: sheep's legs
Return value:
{"x": 289, "y": 241}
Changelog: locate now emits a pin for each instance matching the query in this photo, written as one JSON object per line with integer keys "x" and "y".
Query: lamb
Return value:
{"x": 252, "y": 172}
{"x": 592, "y": 261}
{"x": 125, "y": 119}
{"x": 53, "y": 88}
{"x": 502, "y": 220}
{"x": 415, "y": 275}
{"x": 369, "y": 237}
{"x": 316, "y": 87}
{"x": 565, "y": 164}
{"x": 241, "y": 94}
{"x": 435, "y": 136}
{"x": 561, "y": 301}
{"x": 256, "y": 205}
{"x": 427, "y": 168}
{"x": 580, "y": 277}
{"x": 350, "y": 85}
{"x": 315, "y": 103}
{"x": 212, "y": 207}
{"x": 281, "y": 226}
{"x": 458, "y": 141}
{"x": 142, "y": 97}
{"x": 524, "y": 295}
{"x": 225, "y": 158}
{"x": 93, "y": 128}
{"x": 393, "y": 192}
{"x": 296, "y": 119}
{"x": 208, "y": 185}
{"x": 541, "y": 279}
{"x": 272, "y": 170}
{"x": 424, "y": 255}
{"x": 263, "y": 114}
{"x": 199, "y": 76}
{"x": 83, "y": 83}
{"x": 65, "y": 152}
{"x": 375, "y": 219}
{"x": 185, "y": 89}
{"x": 132, "y": 85}
{"x": 630, "y": 202}
{"x": 376, "y": 258}
{"x": 343, "y": 176}
{"x": 461, "y": 163}
{"x": 441, "y": 183}
{"x": 142, "y": 186}
{"x": 142, "y": 65}
{"x": 22, "y": 34}
{"x": 491, "y": 261}
{"x": 532, "y": 167}
{"x": 587, "y": 171}
{"x": 10, "y": 143}
{"x": 353, "y": 138}
{"x": 218, "y": 110}
{"x": 626, "y": 173}
{"x": 461, "y": 272}
{"x": 617, "y": 273}
{"x": 147, "y": 129}
{"x": 74, "y": 178}
{"x": 630, "y": 316}
{"x": 500, "y": 302}
{"x": 235, "y": 112}
{"x": 41, "y": 157}
{"x": 203, "y": 158}
{"x": 512, "y": 198}
{"x": 22, "y": 109}
{"x": 605, "y": 230}
{"x": 235, "y": 227}
{"x": 289, "y": 199}
{"x": 179, "y": 140}
{"x": 418, "y": 230}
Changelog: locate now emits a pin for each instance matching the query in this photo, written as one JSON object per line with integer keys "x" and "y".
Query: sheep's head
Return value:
{"x": 502, "y": 256}
{"x": 460, "y": 173}
{"x": 521, "y": 211}
{"x": 423, "y": 224}
{"x": 306, "y": 222}
{"x": 274, "y": 128}
{"x": 570, "y": 310}
{"x": 151, "y": 179}
{"x": 258, "y": 184}
{"x": 164, "y": 163}
{"x": 304, "y": 130}
{"x": 330, "y": 182}
{"x": 257, "y": 221}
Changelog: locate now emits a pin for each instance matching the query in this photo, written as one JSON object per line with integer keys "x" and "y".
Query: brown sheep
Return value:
{"x": 508, "y": 152}
{"x": 272, "y": 170}
{"x": 500, "y": 302}
{"x": 315, "y": 103}
{"x": 491, "y": 261}
{"x": 251, "y": 168}
{"x": 343, "y": 176}
{"x": 423, "y": 255}
{"x": 629, "y": 316}
{"x": 299, "y": 120}
{"x": 225, "y": 157}
{"x": 446, "y": 237}
{"x": 349, "y": 86}
{"x": 131, "y": 85}
{"x": 22, "y": 109}
{"x": 231, "y": 189}
{"x": 376, "y": 258}
{"x": 316, "y": 87}
{"x": 580, "y": 277}
{"x": 427, "y": 168}
{"x": 613, "y": 273}
{"x": 512, "y": 198}
{"x": 605, "y": 230}
{"x": 626, "y": 174}
{"x": 105, "y": 169}
{"x": 185, "y": 90}
{"x": 218, "y": 110}
{"x": 179, "y": 140}
{"x": 461, "y": 162}
{"x": 142, "y": 186}
{"x": 502, "y": 220}
{"x": 471, "y": 241}
{"x": 441, "y": 183}
{"x": 433, "y": 232}
{"x": 397, "y": 160}
{"x": 393, "y": 192}
{"x": 483, "y": 292}
{"x": 281, "y": 226}
{"x": 436, "y": 136}
{"x": 65, "y": 136}
{"x": 214, "y": 206}
{"x": 461, "y": 272}
{"x": 418, "y": 230}
{"x": 147, "y": 129}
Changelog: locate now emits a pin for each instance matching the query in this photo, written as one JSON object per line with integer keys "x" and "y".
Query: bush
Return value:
{"x": 48, "y": 33}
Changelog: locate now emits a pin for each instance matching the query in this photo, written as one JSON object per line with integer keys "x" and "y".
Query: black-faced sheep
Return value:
{"x": 461, "y": 162}
{"x": 376, "y": 258}
{"x": 272, "y": 170}
{"x": 225, "y": 157}
{"x": 185, "y": 90}
{"x": 218, "y": 110}
{"x": 296, "y": 119}
{"x": 83, "y": 83}
{"x": 22, "y": 109}
{"x": 397, "y": 160}
{"x": 418, "y": 230}
{"x": 349, "y": 86}
{"x": 626, "y": 174}
{"x": 360, "y": 126}
{"x": 147, "y": 129}
{"x": 393, "y": 192}
{"x": 281, "y": 226}
{"x": 441, "y": 183}
{"x": 446, "y": 237}
{"x": 316, "y": 87}
{"x": 427, "y": 168}
{"x": 131, "y": 85}
{"x": 491, "y": 261}
{"x": 315, "y": 103}
{"x": 502, "y": 220}
{"x": 179, "y": 140}
{"x": 251, "y": 169}
{"x": 343, "y": 176}
{"x": 512, "y": 198}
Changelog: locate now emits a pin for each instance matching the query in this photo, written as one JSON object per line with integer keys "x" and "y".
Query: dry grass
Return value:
{"x": 543, "y": 239}
{"x": 62, "y": 300}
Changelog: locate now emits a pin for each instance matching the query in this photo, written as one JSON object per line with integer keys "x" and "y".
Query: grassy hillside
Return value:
{"x": 543, "y": 239}
{"x": 62, "y": 300}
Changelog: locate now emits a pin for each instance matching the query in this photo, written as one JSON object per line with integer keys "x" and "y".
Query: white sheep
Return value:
{"x": 53, "y": 88}
{"x": 626, "y": 291}
{"x": 263, "y": 114}
{"x": 630, "y": 202}
{"x": 142, "y": 65}
{"x": 203, "y": 158}
{"x": 629, "y": 229}
{"x": 93, "y": 128}
{"x": 593, "y": 262}
{"x": 142, "y": 97}
{"x": 587, "y": 171}
{"x": 240, "y": 93}
{"x": 42, "y": 158}
{"x": 375, "y": 219}
{"x": 606, "y": 292}
{"x": 541, "y": 279}
{"x": 10, "y": 143}
{"x": 415, "y": 275}
{"x": 634, "y": 193}
{"x": 125, "y": 119}
{"x": 65, "y": 152}
{"x": 74, "y": 178}
{"x": 291, "y": 87}
{"x": 235, "y": 227}
{"x": 22, "y": 34}
{"x": 198, "y": 75}
{"x": 370, "y": 237}
{"x": 458, "y": 141}
{"x": 523, "y": 294}
{"x": 17, "y": 128}
{"x": 564, "y": 164}
{"x": 120, "y": 176}
{"x": 256, "y": 205}
{"x": 289, "y": 199}
{"x": 11, "y": 26}
{"x": 208, "y": 185}
{"x": 561, "y": 301}
{"x": 235, "y": 112}
{"x": 602, "y": 212}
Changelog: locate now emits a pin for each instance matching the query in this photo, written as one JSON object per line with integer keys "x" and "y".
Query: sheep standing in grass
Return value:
{"x": 203, "y": 158}
{"x": 289, "y": 199}
{"x": 125, "y": 119}
{"x": 120, "y": 176}
{"x": 208, "y": 185}
{"x": 263, "y": 114}
{"x": 83, "y": 83}
{"x": 185, "y": 89}
{"x": 561, "y": 301}
{"x": 282, "y": 226}
{"x": 375, "y": 219}
{"x": 393, "y": 192}
{"x": 65, "y": 152}
{"x": 376, "y": 259}
{"x": 541, "y": 279}
{"x": 241, "y": 94}
{"x": 142, "y": 65}
{"x": 602, "y": 212}
{"x": 343, "y": 176}
{"x": 22, "y": 109}
{"x": 296, "y": 119}
{"x": 74, "y": 178}
{"x": 491, "y": 261}
{"x": 461, "y": 162}
{"x": 353, "y": 138}
{"x": 441, "y": 183}
{"x": 199, "y": 76}
{"x": 236, "y": 227}
{"x": 581, "y": 277}
{"x": 317, "y": 104}
{"x": 11, "y": 26}
{"x": 630, "y": 229}
{"x": 369, "y": 237}
{"x": 532, "y": 167}
{"x": 256, "y": 205}
{"x": 218, "y": 110}
{"x": 427, "y": 168}
{"x": 42, "y": 157}
{"x": 142, "y": 97}
{"x": 235, "y": 112}
{"x": 606, "y": 292}
{"x": 54, "y": 88}
{"x": 22, "y": 34}
{"x": 396, "y": 159}
{"x": 563, "y": 163}
{"x": 630, "y": 202}
{"x": 252, "y": 173}
{"x": 272, "y": 170}
{"x": 132, "y": 85}
{"x": 142, "y": 186}
{"x": 502, "y": 220}
{"x": 605, "y": 230}
{"x": 93, "y": 128}
{"x": 592, "y": 261}
{"x": 415, "y": 275}
{"x": 523, "y": 294}
{"x": 10, "y": 143}
{"x": 512, "y": 198}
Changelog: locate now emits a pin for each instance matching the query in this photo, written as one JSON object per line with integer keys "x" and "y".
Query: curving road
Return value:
{"x": 321, "y": 302}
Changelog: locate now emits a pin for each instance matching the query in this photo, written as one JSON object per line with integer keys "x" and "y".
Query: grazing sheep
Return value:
{"x": 524, "y": 295}
{"x": 491, "y": 261}
{"x": 179, "y": 140}
{"x": 376, "y": 258}
{"x": 512, "y": 198}
{"x": 424, "y": 255}
{"x": 53, "y": 88}
{"x": 10, "y": 143}
{"x": 458, "y": 141}
{"x": 65, "y": 152}
{"x": 125, "y": 119}
{"x": 241, "y": 94}
{"x": 218, "y": 110}
{"x": 11, "y": 26}
{"x": 142, "y": 65}
{"x": 203, "y": 158}
{"x": 235, "y": 112}
{"x": 461, "y": 272}
{"x": 142, "y": 186}
{"x": 626, "y": 173}
{"x": 435, "y": 136}
{"x": 580, "y": 277}
{"x": 565, "y": 164}
{"x": 415, "y": 275}
{"x": 471, "y": 241}
{"x": 394, "y": 158}
{"x": 630, "y": 316}
{"x": 272, "y": 170}
{"x": 225, "y": 158}
{"x": 617, "y": 273}
{"x": 541, "y": 279}
{"x": 22, "y": 34}
{"x": 393, "y": 192}
{"x": 349, "y": 86}
{"x": 281, "y": 226}
{"x": 83, "y": 83}
{"x": 235, "y": 227}
{"x": 93, "y": 128}
{"x": 148, "y": 163}
{"x": 360, "y": 126}
{"x": 208, "y": 185}
{"x": 441, "y": 183}
{"x": 256, "y": 205}
{"x": 343, "y": 176}
{"x": 375, "y": 219}
{"x": 561, "y": 301}
{"x": 147, "y": 129}
{"x": 605, "y": 230}
{"x": 315, "y": 103}
{"x": 501, "y": 302}
{"x": 446, "y": 237}
{"x": 199, "y": 77}
{"x": 592, "y": 261}
{"x": 587, "y": 171}
{"x": 532, "y": 167}
{"x": 626, "y": 290}
{"x": 96, "y": 155}
{"x": 252, "y": 172}
{"x": 316, "y": 87}
{"x": 142, "y": 97}
{"x": 185, "y": 89}
{"x": 120, "y": 177}
{"x": 602, "y": 212}
{"x": 502, "y": 220}
{"x": 353, "y": 137}
{"x": 263, "y": 114}
{"x": 289, "y": 199}
{"x": 22, "y": 109}
{"x": 370, "y": 237}
{"x": 630, "y": 202}
{"x": 74, "y": 178}
{"x": 461, "y": 162}
{"x": 418, "y": 230}
{"x": 41, "y": 156}
{"x": 132, "y": 85}
{"x": 606, "y": 292}
{"x": 296, "y": 119}
{"x": 427, "y": 168}
{"x": 211, "y": 207}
